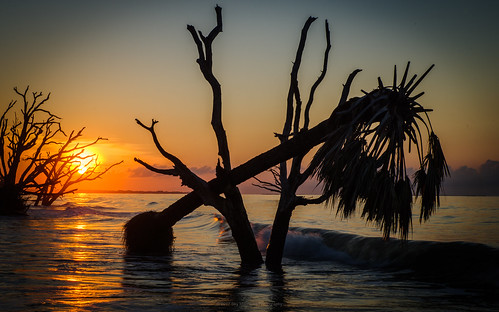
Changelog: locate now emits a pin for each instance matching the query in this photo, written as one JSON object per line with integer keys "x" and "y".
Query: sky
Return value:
{"x": 109, "y": 62}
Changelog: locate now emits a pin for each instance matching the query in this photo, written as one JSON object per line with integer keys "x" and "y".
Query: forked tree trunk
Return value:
{"x": 231, "y": 205}
{"x": 282, "y": 152}
{"x": 234, "y": 210}
{"x": 290, "y": 180}
{"x": 138, "y": 234}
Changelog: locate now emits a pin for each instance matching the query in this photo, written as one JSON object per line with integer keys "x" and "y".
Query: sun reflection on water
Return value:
{"x": 81, "y": 278}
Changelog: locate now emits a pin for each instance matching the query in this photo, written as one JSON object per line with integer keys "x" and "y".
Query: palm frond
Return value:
{"x": 364, "y": 159}
{"x": 428, "y": 179}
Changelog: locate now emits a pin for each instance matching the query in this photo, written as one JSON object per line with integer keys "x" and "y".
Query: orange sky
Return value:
{"x": 107, "y": 63}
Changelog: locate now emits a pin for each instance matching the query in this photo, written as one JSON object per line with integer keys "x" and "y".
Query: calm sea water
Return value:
{"x": 70, "y": 258}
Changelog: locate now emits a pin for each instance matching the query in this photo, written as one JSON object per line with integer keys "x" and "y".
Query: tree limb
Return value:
{"x": 187, "y": 177}
{"x": 176, "y": 161}
{"x": 293, "y": 87}
{"x": 303, "y": 201}
{"x": 170, "y": 172}
{"x": 267, "y": 185}
{"x": 205, "y": 62}
{"x": 319, "y": 80}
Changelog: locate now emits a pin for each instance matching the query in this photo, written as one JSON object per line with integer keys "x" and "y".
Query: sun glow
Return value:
{"x": 82, "y": 169}
{"x": 86, "y": 160}
{"x": 86, "y": 163}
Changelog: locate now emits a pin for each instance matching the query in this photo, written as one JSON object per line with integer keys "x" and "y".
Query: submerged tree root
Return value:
{"x": 146, "y": 233}
{"x": 12, "y": 202}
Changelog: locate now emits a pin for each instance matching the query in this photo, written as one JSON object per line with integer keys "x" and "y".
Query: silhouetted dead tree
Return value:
{"x": 286, "y": 182}
{"x": 231, "y": 206}
{"x": 17, "y": 137}
{"x": 362, "y": 159}
{"x": 28, "y": 164}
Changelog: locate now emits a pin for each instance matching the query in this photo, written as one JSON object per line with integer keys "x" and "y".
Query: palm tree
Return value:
{"x": 363, "y": 159}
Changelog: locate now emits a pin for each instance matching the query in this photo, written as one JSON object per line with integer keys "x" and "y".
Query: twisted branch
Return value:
{"x": 205, "y": 61}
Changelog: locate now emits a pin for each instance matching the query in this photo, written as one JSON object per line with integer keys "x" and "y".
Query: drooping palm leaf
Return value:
{"x": 428, "y": 179}
{"x": 364, "y": 159}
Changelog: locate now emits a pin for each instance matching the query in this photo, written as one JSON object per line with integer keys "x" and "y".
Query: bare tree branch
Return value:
{"x": 304, "y": 201}
{"x": 346, "y": 89}
{"x": 267, "y": 185}
{"x": 293, "y": 87}
{"x": 306, "y": 114}
{"x": 170, "y": 172}
{"x": 269, "y": 188}
{"x": 176, "y": 161}
{"x": 205, "y": 62}
{"x": 187, "y": 177}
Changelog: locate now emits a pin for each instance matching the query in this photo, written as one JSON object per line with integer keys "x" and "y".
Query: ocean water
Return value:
{"x": 70, "y": 257}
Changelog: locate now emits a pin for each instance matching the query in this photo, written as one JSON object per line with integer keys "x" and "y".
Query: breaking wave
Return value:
{"x": 458, "y": 263}
{"x": 69, "y": 210}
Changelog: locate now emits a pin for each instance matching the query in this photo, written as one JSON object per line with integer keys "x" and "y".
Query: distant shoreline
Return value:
{"x": 129, "y": 192}
{"x": 184, "y": 193}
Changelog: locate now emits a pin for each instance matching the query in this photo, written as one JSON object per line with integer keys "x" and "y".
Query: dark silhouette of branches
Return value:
{"x": 361, "y": 159}
{"x": 288, "y": 181}
{"x": 231, "y": 205}
{"x": 179, "y": 169}
{"x": 69, "y": 166}
{"x": 34, "y": 161}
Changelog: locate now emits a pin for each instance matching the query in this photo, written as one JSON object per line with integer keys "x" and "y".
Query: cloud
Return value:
{"x": 483, "y": 181}
{"x": 203, "y": 170}
{"x": 464, "y": 181}
{"x": 142, "y": 172}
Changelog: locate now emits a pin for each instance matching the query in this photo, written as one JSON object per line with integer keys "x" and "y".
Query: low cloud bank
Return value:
{"x": 142, "y": 172}
{"x": 483, "y": 181}
{"x": 464, "y": 181}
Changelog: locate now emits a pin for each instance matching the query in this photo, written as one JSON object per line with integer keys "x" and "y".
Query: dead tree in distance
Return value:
{"x": 29, "y": 167}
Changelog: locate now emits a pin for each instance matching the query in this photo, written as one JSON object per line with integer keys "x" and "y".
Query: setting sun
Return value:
{"x": 87, "y": 159}
{"x": 82, "y": 169}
